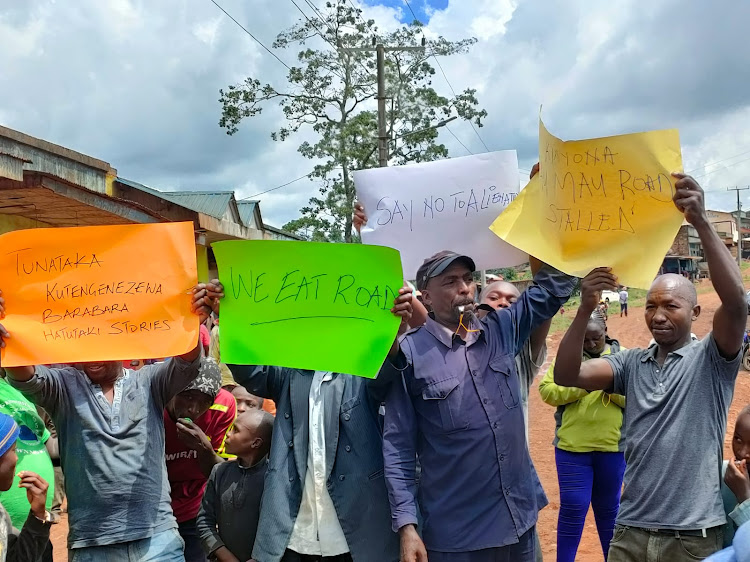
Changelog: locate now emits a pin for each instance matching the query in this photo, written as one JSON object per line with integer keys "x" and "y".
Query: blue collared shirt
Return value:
{"x": 112, "y": 454}
{"x": 458, "y": 408}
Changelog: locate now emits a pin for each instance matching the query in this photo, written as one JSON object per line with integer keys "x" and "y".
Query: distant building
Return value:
{"x": 725, "y": 224}
{"x": 686, "y": 243}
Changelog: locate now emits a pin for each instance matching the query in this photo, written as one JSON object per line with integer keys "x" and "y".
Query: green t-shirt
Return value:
{"x": 32, "y": 454}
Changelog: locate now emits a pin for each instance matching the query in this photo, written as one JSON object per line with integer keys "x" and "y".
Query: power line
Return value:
{"x": 440, "y": 66}
{"x": 317, "y": 12}
{"x": 720, "y": 161}
{"x": 243, "y": 28}
{"x": 333, "y": 32}
{"x": 722, "y": 168}
{"x": 412, "y": 12}
{"x": 277, "y": 187}
{"x": 458, "y": 139}
{"x": 322, "y": 33}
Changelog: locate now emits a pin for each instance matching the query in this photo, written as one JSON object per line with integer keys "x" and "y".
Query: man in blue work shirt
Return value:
{"x": 458, "y": 408}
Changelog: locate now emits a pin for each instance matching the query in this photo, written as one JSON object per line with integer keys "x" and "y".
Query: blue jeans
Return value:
{"x": 523, "y": 551}
{"x": 166, "y": 546}
{"x": 587, "y": 478}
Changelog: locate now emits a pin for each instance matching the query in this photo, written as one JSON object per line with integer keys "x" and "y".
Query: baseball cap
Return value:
{"x": 208, "y": 380}
{"x": 437, "y": 264}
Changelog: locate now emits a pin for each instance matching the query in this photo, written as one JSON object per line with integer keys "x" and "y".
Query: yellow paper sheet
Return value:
{"x": 599, "y": 202}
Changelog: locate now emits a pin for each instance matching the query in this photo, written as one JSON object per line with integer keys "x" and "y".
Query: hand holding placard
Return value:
{"x": 72, "y": 294}
{"x": 424, "y": 208}
{"x": 605, "y": 201}
{"x": 308, "y": 305}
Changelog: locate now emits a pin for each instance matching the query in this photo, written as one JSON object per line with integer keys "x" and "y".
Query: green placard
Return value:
{"x": 308, "y": 305}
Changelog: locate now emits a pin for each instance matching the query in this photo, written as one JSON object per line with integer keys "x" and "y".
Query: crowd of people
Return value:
{"x": 190, "y": 459}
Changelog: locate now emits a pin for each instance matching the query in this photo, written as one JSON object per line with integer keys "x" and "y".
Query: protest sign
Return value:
{"x": 307, "y": 305}
{"x": 421, "y": 209}
{"x": 599, "y": 202}
{"x": 98, "y": 293}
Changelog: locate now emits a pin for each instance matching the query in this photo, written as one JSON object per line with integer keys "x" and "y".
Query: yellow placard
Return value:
{"x": 603, "y": 202}
{"x": 98, "y": 293}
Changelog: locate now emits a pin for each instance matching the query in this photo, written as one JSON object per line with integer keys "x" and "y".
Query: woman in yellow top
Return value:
{"x": 589, "y": 458}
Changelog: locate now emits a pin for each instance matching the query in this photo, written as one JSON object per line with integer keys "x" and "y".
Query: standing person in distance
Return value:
{"x": 624, "y": 302}
{"x": 29, "y": 545}
{"x": 230, "y": 510}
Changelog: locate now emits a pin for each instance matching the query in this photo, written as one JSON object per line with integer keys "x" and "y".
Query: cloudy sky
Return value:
{"x": 136, "y": 82}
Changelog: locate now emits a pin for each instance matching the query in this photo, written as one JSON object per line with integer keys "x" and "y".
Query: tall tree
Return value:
{"x": 327, "y": 93}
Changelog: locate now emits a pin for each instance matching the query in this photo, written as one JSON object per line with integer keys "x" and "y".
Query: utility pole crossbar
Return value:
{"x": 380, "y": 51}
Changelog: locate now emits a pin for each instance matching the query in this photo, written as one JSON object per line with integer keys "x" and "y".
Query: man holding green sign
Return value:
{"x": 316, "y": 308}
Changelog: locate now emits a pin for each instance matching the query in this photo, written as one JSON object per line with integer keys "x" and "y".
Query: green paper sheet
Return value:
{"x": 308, "y": 305}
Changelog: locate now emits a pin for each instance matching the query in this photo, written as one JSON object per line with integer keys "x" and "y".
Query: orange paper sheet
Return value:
{"x": 99, "y": 293}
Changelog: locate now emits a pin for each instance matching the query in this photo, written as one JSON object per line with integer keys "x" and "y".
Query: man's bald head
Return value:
{"x": 677, "y": 285}
{"x": 671, "y": 308}
{"x": 499, "y": 294}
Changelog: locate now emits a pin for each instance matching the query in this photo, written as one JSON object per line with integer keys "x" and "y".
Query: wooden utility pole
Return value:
{"x": 739, "y": 221}
{"x": 380, "y": 51}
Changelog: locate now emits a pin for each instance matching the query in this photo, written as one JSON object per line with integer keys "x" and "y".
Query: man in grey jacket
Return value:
{"x": 325, "y": 498}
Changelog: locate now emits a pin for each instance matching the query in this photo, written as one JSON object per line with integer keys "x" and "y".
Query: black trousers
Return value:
{"x": 193, "y": 549}
{"x": 291, "y": 556}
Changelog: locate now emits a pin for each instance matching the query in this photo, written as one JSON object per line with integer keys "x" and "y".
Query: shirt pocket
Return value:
{"x": 503, "y": 369}
{"x": 134, "y": 404}
{"x": 442, "y": 399}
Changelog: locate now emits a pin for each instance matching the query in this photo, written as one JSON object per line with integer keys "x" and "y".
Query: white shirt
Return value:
{"x": 317, "y": 529}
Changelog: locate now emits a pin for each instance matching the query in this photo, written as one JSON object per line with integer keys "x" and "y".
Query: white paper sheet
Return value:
{"x": 449, "y": 204}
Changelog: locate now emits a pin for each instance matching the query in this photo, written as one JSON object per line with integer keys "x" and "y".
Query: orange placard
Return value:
{"x": 98, "y": 293}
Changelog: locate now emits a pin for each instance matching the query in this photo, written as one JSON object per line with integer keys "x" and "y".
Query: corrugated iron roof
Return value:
{"x": 211, "y": 203}
{"x": 247, "y": 210}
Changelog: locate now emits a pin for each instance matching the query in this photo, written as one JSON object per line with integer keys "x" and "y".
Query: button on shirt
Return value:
{"x": 112, "y": 454}
{"x": 317, "y": 529}
{"x": 458, "y": 407}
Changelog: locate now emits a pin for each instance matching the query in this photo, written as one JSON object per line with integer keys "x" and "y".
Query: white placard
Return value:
{"x": 449, "y": 204}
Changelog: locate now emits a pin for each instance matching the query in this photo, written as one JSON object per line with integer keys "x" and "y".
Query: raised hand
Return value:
{"x": 600, "y": 279}
{"x": 360, "y": 218}
{"x": 214, "y": 294}
{"x": 688, "y": 198}
{"x": 402, "y": 308}
{"x": 738, "y": 480}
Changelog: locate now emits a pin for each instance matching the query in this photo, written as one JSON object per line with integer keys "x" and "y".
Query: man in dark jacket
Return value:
{"x": 325, "y": 498}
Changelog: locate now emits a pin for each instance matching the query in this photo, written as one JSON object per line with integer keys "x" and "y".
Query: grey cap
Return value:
{"x": 437, "y": 264}
{"x": 208, "y": 380}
